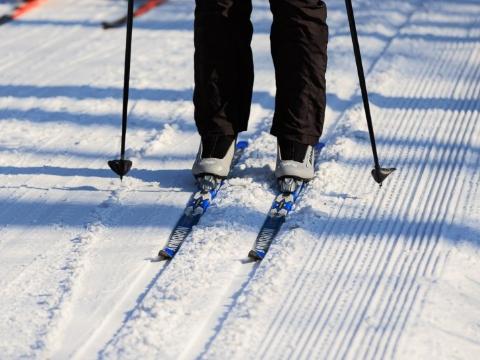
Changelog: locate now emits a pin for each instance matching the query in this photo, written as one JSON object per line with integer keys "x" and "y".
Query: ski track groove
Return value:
{"x": 108, "y": 317}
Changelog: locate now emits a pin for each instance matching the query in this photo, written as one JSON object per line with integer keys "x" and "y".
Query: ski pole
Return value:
{"x": 121, "y": 167}
{"x": 378, "y": 173}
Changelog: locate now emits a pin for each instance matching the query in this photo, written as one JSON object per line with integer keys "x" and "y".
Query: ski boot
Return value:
{"x": 294, "y": 165}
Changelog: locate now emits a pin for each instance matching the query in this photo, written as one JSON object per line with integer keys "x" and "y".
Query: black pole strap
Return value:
{"x": 361, "y": 78}
{"x": 126, "y": 79}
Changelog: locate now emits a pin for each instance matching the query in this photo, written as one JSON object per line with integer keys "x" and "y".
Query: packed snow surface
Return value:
{"x": 358, "y": 271}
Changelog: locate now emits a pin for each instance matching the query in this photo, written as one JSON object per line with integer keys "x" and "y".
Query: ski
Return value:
{"x": 139, "y": 11}
{"x": 21, "y": 9}
{"x": 209, "y": 186}
{"x": 290, "y": 191}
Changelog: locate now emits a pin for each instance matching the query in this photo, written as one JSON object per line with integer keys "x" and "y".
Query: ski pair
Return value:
{"x": 209, "y": 186}
{"x": 21, "y": 9}
{"x": 139, "y": 11}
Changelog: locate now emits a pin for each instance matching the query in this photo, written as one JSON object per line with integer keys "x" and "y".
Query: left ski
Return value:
{"x": 284, "y": 203}
{"x": 209, "y": 186}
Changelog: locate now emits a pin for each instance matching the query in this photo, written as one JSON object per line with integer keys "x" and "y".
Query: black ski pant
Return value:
{"x": 224, "y": 67}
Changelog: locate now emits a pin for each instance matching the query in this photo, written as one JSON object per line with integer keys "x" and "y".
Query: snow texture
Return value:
{"x": 358, "y": 271}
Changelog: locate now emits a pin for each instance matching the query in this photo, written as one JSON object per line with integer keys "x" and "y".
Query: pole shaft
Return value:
{"x": 361, "y": 78}
{"x": 126, "y": 79}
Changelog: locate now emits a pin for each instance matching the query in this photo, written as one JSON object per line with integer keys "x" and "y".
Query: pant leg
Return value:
{"x": 223, "y": 66}
{"x": 299, "y": 39}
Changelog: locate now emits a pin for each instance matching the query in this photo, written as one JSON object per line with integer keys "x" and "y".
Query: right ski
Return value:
{"x": 290, "y": 191}
{"x": 139, "y": 11}
{"x": 281, "y": 207}
{"x": 21, "y": 9}
{"x": 209, "y": 186}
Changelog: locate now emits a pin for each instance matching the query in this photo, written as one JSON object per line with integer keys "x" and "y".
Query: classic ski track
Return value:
{"x": 98, "y": 217}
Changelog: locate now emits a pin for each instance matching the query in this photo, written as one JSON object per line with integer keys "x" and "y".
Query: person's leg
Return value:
{"x": 299, "y": 39}
{"x": 223, "y": 66}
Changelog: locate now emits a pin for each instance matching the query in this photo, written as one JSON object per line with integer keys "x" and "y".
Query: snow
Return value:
{"x": 357, "y": 271}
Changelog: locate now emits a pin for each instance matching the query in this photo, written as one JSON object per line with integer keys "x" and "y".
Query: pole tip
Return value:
{"x": 380, "y": 174}
{"x": 120, "y": 167}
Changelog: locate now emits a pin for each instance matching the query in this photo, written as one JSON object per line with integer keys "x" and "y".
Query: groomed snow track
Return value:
{"x": 358, "y": 272}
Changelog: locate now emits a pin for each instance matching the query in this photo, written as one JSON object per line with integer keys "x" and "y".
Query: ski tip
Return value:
{"x": 5, "y": 19}
{"x": 106, "y": 25}
{"x": 166, "y": 254}
{"x": 256, "y": 255}
{"x": 112, "y": 25}
{"x": 241, "y": 145}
